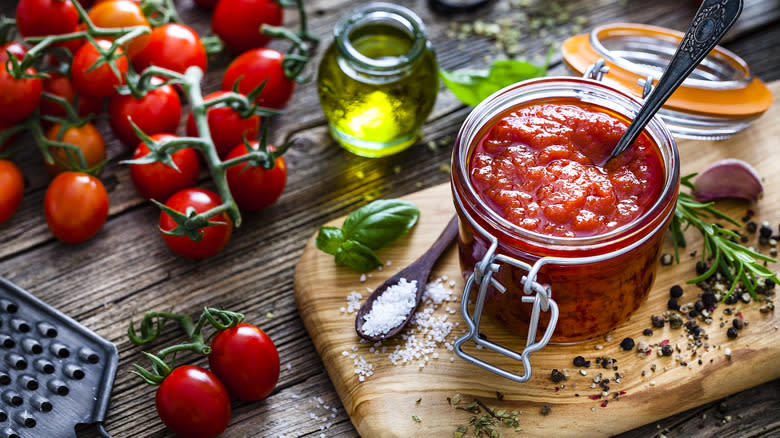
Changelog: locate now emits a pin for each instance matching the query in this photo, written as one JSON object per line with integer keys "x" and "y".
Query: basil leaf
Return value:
{"x": 380, "y": 222}
{"x": 357, "y": 256}
{"x": 329, "y": 239}
{"x": 473, "y": 86}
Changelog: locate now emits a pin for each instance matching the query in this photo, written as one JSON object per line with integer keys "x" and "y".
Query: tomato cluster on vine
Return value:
{"x": 193, "y": 401}
{"x": 136, "y": 61}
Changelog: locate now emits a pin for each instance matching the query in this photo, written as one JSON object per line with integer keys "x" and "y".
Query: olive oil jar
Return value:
{"x": 378, "y": 80}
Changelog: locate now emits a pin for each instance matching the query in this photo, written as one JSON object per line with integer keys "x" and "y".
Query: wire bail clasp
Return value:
{"x": 534, "y": 293}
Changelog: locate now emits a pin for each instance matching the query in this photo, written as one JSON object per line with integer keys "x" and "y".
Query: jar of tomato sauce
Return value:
{"x": 553, "y": 237}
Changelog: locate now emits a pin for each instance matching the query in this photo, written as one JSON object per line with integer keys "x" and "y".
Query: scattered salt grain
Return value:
{"x": 391, "y": 308}
{"x": 362, "y": 278}
{"x": 353, "y": 301}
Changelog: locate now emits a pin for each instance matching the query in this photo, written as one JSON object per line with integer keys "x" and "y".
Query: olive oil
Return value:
{"x": 377, "y": 84}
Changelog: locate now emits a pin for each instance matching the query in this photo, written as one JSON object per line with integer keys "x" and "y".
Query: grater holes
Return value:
{"x": 59, "y": 350}
{"x": 12, "y": 398}
{"x": 28, "y": 382}
{"x": 73, "y": 372}
{"x": 58, "y": 387}
{"x": 3, "y": 416}
{"x": 25, "y": 419}
{"x": 5, "y": 379}
{"x": 9, "y": 433}
{"x": 20, "y": 325}
{"x": 47, "y": 330}
{"x": 8, "y": 306}
{"x": 32, "y": 346}
{"x": 41, "y": 403}
{"x": 44, "y": 366}
{"x": 16, "y": 361}
{"x": 7, "y": 341}
{"x": 88, "y": 355}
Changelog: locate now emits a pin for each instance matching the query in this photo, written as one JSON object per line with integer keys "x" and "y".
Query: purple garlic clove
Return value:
{"x": 728, "y": 178}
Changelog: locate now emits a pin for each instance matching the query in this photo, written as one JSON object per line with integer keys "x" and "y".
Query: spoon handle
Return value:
{"x": 442, "y": 243}
{"x": 710, "y": 24}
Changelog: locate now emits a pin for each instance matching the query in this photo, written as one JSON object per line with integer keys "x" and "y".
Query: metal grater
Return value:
{"x": 54, "y": 372}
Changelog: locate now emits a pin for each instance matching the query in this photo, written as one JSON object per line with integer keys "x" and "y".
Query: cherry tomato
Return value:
{"x": 158, "y": 180}
{"x": 192, "y": 403}
{"x": 172, "y": 46}
{"x": 226, "y": 125}
{"x": 158, "y": 111}
{"x": 76, "y": 206}
{"x": 16, "y": 49}
{"x": 46, "y": 17}
{"x": 246, "y": 362}
{"x": 255, "y": 188}
{"x": 59, "y": 85}
{"x": 214, "y": 238}
{"x": 255, "y": 66}
{"x": 121, "y": 13}
{"x": 101, "y": 81}
{"x": 11, "y": 189}
{"x": 18, "y": 97}
{"x": 85, "y": 137}
{"x": 238, "y": 22}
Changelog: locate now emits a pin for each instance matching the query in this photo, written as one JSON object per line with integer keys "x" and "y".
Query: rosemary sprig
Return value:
{"x": 734, "y": 261}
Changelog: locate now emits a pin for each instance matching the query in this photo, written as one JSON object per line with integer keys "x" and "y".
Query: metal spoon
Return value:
{"x": 418, "y": 271}
{"x": 710, "y": 23}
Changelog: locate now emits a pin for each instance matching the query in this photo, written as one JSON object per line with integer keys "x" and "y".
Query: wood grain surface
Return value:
{"x": 127, "y": 270}
{"x": 383, "y": 404}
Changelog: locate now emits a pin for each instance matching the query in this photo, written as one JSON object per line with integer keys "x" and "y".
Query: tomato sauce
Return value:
{"x": 541, "y": 168}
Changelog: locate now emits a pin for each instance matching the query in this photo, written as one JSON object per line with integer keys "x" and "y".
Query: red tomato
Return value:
{"x": 158, "y": 180}
{"x": 158, "y": 111}
{"x": 121, "y": 13}
{"x": 238, "y": 22}
{"x": 226, "y": 125}
{"x": 46, "y": 17}
{"x": 255, "y": 188}
{"x": 255, "y": 66}
{"x": 11, "y": 189}
{"x": 18, "y": 97}
{"x": 101, "y": 81}
{"x": 192, "y": 403}
{"x": 16, "y": 49}
{"x": 76, "y": 206}
{"x": 86, "y": 137}
{"x": 214, "y": 237}
{"x": 172, "y": 46}
{"x": 59, "y": 85}
{"x": 246, "y": 362}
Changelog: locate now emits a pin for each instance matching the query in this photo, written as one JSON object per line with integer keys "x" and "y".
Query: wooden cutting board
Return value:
{"x": 383, "y": 404}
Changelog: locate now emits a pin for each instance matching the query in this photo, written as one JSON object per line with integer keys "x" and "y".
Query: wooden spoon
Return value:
{"x": 418, "y": 271}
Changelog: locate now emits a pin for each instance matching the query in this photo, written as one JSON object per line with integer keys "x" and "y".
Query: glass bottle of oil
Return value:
{"x": 378, "y": 81}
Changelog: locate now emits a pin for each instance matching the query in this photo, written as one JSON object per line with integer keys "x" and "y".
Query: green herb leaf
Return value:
{"x": 416, "y": 418}
{"x": 329, "y": 239}
{"x": 380, "y": 222}
{"x": 357, "y": 256}
{"x": 473, "y": 86}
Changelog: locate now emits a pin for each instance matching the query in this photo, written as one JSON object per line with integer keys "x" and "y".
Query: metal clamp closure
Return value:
{"x": 535, "y": 293}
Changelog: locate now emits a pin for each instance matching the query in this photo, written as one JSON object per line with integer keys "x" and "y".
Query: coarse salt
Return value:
{"x": 391, "y": 308}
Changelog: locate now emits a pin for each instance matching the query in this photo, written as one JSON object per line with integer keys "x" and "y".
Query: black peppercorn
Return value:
{"x": 752, "y": 227}
{"x": 693, "y": 313}
{"x": 675, "y": 321}
{"x": 667, "y": 259}
{"x": 709, "y": 299}
{"x": 627, "y": 344}
{"x": 769, "y": 283}
{"x": 765, "y": 231}
{"x": 580, "y": 361}
{"x": 676, "y": 291}
{"x": 658, "y": 321}
{"x": 701, "y": 268}
{"x": 732, "y": 332}
{"x": 738, "y": 323}
{"x": 698, "y": 305}
{"x": 731, "y": 299}
{"x": 647, "y": 332}
{"x": 667, "y": 350}
{"x": 556, "y": 375}
{"x": 672, "y": 304}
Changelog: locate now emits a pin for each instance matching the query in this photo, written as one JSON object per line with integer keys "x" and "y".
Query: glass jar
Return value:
{"x": 527, "y": 280}
{"x": 378, "y": 80}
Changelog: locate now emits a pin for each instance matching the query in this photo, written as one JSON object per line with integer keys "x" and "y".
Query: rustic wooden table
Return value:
{"x": 127, "y": 270}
